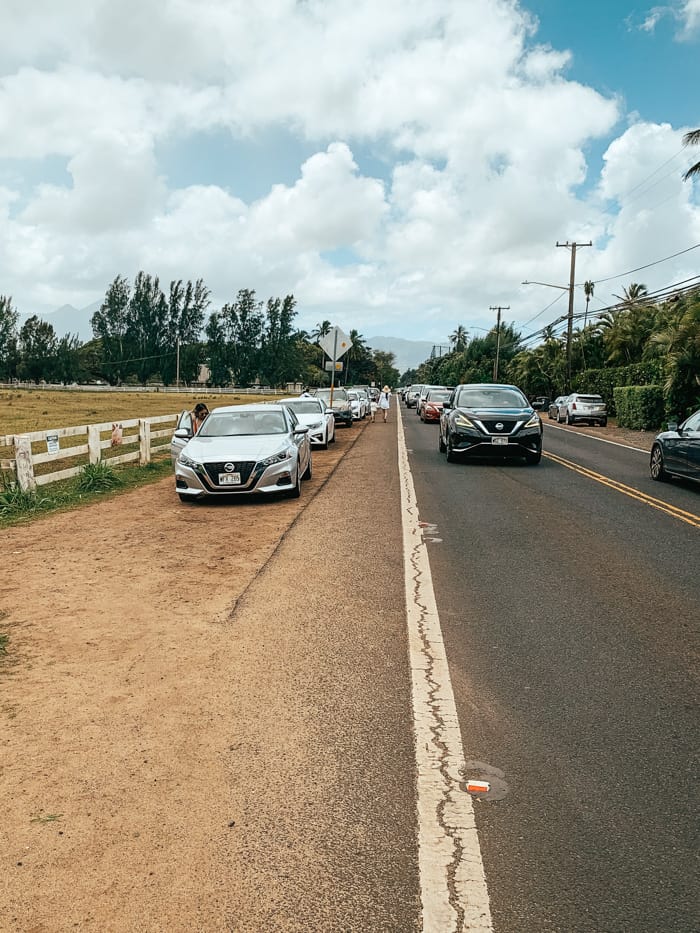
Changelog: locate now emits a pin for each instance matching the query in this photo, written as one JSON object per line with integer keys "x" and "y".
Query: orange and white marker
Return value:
{"x": 478, "y": 787}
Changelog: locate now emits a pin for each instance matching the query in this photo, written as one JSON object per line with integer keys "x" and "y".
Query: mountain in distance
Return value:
{"x": 409, "y": 353}
{"x": 68, "y": 320}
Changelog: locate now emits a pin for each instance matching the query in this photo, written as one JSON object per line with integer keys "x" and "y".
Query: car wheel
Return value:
{"x": 604, "y": 422}
{"x": 656, "y": 465}
{"x": 558, "y": 417}
{"x": 449, "y": 452}
{"x": 296, "y": 491}
{"x": 441, "y": 443}
{"x": 532, "y": 459}
{"x": 308, "y": 472}
{"x": 184, "y": 498}
{"x": 569, "y": 419}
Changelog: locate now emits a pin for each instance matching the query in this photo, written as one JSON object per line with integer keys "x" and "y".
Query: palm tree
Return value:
{"x": 459, "y": 338}
{"x": 634, "y": 292}
{"x": 358, "y": 351}
{"x": 588, "y": 289}
{"x": 321, "y": 330}
{"x": 692, "y": 139}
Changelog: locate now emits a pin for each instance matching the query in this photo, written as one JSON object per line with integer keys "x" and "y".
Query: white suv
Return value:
{"x": 578, "y": 407}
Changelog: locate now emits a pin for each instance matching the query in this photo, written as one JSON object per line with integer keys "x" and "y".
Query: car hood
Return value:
{"x": 253, "y": 447}
{"x": 316, "y": 418}
{"x": 490, "y": 413}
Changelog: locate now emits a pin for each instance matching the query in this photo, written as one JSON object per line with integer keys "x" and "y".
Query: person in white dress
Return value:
{"x": 384, "y": 401}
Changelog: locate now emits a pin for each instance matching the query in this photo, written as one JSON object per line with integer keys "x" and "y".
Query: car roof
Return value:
{"x": 253, "y": 406}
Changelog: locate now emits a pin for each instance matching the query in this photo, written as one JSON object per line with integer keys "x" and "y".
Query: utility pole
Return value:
{"x": 498, "y": 308}
{"x": 177, "y": 363}
{"x": 570, "y": 318}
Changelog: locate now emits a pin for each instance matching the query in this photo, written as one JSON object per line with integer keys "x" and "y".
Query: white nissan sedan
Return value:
{"x": 319, "y": 418}
{"x": 241, "y": 450}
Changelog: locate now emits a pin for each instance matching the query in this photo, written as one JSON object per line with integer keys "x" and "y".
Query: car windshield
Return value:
{"x": 240, "y": 423}
{"x": 338, "y": 395}
{"x": 438, "y": 396}
{"x": 490, "y": 397}
{"x": 305, "y": 406}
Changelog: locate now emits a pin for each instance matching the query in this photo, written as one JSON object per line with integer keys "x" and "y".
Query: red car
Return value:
{"x": 432, "y": 406}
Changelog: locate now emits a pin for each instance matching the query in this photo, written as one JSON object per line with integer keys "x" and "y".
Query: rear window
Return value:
{"x": 590, "y": 398}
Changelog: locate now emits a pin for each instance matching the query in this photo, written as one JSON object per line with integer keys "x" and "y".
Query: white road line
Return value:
{"x": 454, "y": 896}
{"x": 593, "y": 437}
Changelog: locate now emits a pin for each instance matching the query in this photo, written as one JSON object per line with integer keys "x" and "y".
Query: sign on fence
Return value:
{"x": 52, "y": 445}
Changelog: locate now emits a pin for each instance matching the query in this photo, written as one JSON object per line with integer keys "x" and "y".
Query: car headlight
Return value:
{"x": 187, "y": 461}
{"x": 462, "y": 421}
{"x": 276, "y": 458}
{"x": 534, "y": 421}
{"x": 316, "y": 424}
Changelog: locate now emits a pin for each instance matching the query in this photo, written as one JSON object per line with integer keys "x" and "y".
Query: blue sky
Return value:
{"x": 399, "y": 167}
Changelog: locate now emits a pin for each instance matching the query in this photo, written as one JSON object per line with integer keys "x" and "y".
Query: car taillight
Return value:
{"x": 573, "y": 406}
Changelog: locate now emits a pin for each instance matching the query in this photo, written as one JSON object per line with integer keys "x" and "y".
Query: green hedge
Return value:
{"x": 605, "y": 381}
{"x": 639, "y": 407}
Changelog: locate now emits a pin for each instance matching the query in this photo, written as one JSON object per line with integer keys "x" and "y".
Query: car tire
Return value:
{"x": 441, "y": 443}
{"x": 532, "y": 459}
{"x": 604, "y": 423}
{"x": 558, "y": 418}
{"x": 183, "y": 498}
{"x": 569, "y": 419}
{"x": 449, "y": 452}
{"x": 296, "y": 491}
{"x": 656, "y": 465}
{"x": 309, "y": 471}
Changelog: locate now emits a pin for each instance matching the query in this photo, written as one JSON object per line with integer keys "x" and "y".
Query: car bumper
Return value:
{"x": 345, "y": 417}
{"x": 468, "y": 445}
{"x": 198, "y": 483}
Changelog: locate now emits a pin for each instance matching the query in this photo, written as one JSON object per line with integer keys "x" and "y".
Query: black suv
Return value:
{"x": 484, "y": 420}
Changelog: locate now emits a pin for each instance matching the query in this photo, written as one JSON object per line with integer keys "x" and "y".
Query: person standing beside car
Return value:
{"x": 384, "y": 402}
{"x": 199, "y": 416}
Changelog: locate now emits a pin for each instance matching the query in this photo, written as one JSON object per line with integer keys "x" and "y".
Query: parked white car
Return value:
{"x": 578, "y": 407}
{"x": 357, "y": 404}
{"x": 319, "y": 418}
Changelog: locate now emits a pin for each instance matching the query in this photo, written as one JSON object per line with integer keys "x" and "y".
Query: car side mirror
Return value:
{"x": 184, "y": 433}
{"x": 673, "y": 426}
{"x": 301, "y": 429}
{"x": 446, "y": 405}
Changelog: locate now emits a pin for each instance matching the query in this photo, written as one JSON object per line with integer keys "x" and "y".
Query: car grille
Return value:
{"x": 509, "y": 425}
{"x": 244, "y": 467}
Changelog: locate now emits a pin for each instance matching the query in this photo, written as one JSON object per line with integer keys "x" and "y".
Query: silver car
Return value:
{"x": 243, "y": 449}
{"x": 318, "y": 416}
{"x": 578, "y": 407}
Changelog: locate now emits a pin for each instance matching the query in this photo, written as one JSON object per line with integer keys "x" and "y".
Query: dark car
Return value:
{"x": 341, "y": 404}
{"x": 484, "y": 420}
{"x": 676, "y": 452}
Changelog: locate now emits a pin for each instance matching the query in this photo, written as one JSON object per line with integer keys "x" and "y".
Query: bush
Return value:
{"x": 96, "y": 477}
{"x": 639, "y": 407}
{"x": 605, "y": 381}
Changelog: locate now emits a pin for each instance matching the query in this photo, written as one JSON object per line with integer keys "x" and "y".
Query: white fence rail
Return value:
{"x": 136, "y": 433}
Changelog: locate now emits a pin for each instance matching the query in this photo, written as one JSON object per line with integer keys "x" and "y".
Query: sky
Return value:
{"x": 400, "y": 167}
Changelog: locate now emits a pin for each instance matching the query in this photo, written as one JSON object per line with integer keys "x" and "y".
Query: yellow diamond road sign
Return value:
{"x": 335, "y": 343}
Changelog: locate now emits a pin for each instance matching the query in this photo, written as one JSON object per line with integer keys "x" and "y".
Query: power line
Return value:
{"x": 648, "y": 266}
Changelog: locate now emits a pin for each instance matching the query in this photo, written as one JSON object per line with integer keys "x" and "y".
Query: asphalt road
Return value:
{"x": 570, "y": 604}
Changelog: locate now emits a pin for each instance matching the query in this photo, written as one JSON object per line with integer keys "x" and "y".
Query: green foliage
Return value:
{"x": 15, "y": 501}
{"x": 604, "y": 381}
{"x": 97, "y": 477}
{"x": 8, "y": 338}
{"x": 639, "y": 407}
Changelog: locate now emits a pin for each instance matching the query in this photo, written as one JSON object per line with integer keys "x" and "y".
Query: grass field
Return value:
{"x": 24, "y": 410}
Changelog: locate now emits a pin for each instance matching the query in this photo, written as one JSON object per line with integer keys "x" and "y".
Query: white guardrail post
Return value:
{"x": 24, "y": 465}
{"x": 144, "y": 441}
{"x": 94, "y": 445}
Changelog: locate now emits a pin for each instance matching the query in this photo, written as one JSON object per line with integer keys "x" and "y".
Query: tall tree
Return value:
{"x": 187, "y": 305}
{"x": 37, "y": 344}
{"x": 8, "y": 338}
{"x": 692, "y": 139}
{"x": 147, "y": 323}
{"x": 242, "y": 322}
{"x": 110, "y": 324}
{"x": 321, "y": 329}
{"x": 458, "y": 339}
{"x": 358, "y": 359}
{"x": 279, "y": 360}
{"x": 387, "y": 373}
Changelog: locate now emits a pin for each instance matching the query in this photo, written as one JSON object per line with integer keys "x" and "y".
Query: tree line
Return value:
{"x": 144, "y": 334}
{"x": 640, "y": 341}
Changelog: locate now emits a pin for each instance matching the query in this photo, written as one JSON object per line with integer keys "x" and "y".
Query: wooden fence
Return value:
{"x": 34, "y": 454}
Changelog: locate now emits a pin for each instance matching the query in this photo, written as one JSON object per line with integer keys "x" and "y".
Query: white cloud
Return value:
{"x": 485, "y": 137}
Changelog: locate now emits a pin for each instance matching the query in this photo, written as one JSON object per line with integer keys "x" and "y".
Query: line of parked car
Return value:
{"x": 260, "y": 448}
{"x": 487, "y": 420}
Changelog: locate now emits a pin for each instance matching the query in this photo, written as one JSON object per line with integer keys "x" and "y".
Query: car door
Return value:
{"x": 177, "y": 444}
{"x": 301, "y": 441}
{"x": 688, "y": 447}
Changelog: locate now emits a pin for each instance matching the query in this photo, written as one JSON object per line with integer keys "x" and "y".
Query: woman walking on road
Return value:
{"x": 384, "y": 401}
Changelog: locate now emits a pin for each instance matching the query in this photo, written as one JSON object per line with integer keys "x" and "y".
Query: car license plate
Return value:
{"x": 229, "y": 479}
{"x": 499, "y": 440}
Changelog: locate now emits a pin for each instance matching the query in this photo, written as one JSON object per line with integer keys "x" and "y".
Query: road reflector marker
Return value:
{"x": 478, "y": 787}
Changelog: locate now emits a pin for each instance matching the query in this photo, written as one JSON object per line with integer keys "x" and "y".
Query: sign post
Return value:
{"x": 335, "y": 343}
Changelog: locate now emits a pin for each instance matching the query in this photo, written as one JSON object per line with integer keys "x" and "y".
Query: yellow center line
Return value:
{"x": 688, "y": 517}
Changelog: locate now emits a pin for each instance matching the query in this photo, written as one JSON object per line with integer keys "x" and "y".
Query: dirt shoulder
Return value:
{"x": 642, "y": 440}
{"x": 110, "y": 747}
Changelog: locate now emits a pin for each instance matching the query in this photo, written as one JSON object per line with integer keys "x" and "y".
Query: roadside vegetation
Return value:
{"x": 639, "y": 342}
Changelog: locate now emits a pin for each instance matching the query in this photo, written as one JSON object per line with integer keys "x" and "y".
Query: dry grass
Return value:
{"x": 25, "y": 410}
